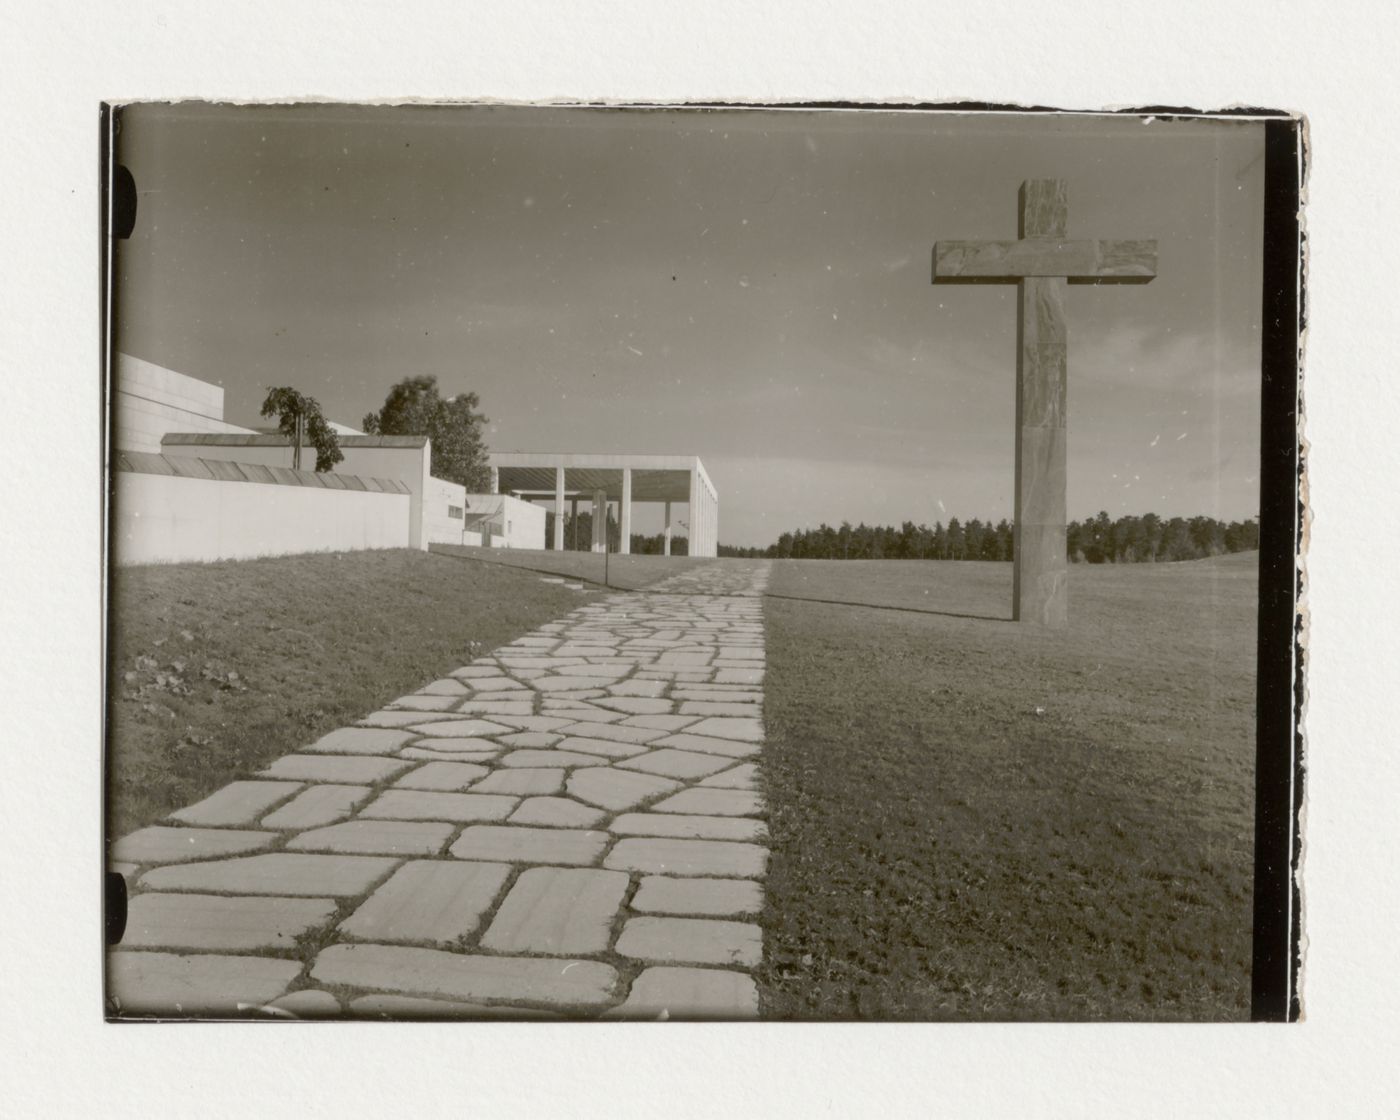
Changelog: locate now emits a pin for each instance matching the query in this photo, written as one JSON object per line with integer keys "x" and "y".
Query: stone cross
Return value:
{"x": 1040, "y": 263}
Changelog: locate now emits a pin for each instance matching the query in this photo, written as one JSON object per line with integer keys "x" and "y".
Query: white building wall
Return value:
{"x": 149, "y": 400}
{"x": 521, "y": 524}
{"x": 444, "y": 504}
{"x": 165, "y": 518}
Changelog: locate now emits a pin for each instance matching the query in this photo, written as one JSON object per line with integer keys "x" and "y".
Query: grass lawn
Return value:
{"x": 217, "y": 669}
{"x": 627, "y": 573}
{"x": 972, "y": 820}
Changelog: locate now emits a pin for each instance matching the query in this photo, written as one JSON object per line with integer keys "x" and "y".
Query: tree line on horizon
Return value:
{"x": 1138, "y": 538}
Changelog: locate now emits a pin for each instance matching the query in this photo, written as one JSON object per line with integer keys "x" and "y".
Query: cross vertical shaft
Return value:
{"x": 1040, "y": 571}
{"x": 1040, "y": 263}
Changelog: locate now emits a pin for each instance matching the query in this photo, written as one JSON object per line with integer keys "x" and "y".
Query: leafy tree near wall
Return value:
{"x": 415, "y": 407}
{"x": 299, "y": 418}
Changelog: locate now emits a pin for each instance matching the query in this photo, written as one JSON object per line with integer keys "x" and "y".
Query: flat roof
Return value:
{"x": 655, "y": 478}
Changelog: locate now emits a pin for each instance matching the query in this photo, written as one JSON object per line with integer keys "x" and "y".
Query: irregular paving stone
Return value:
{"x": 411, "y": 971}
{"x": 689, "y": 857}
{"x": 412, "y": 805}
{"x": 549, "y": 759}
{"x": 729, "y": 748}
{"x": 445, "y": 754}
{"x": 200, "y": 921}
{"x": 142, "y": 983}
{"x": 309, "y": 1003}
{"x": 660, "y": 723}
{"x": 563, "y": 684}
{"x": 445, "y": 687}
{"x": 274, "y": 873}
{"x": 315, "y": 806}
{"x": 460, "y": 728}
{"x": 580, "y": 710}
{"x": 557, "y": 910}
{"x": 452, "y": 750}
{"x": 468, "y": 672}
{"x": 390, "y": 838}
{"x": 671, "y": 763}
{"x": 692, "y": 941}
{"x": 416, "y": 1007}
{"x": 537, "y": 739}
{"x": 739, "y": 676}
{"x": 712, "y": 803}
{"x": 449, "y": 776}
{"x": 689, "y": 993}
{"x": 522, "y": 783}
{"x": 497, "y": 707}
{"x": 428, "y": 900}
{"x": 605, "y": 748}
{"x": 414, "y": 702}
{"x": 619, "y": 733}
{"x": 556, "y": 812}
{"x": 697, "y": 828}
{"x": 715, "y": 708}
{"x": 359, "y": 740}
{"x": 683, "y": 659}
{"x": 716, "y": 694}
{"x": 330, "y": 768}
{"x": 609, "y": 788}
{"x": 495, "y": 686}
{"x": 554, "y": 661}
{"x": 237, "y": 803}
{"x": 637, "y": 705}
{"x": 638, "y": 688}
{"x": 388, "y": 718}
{"x": 160, "y": 844}
{"x": 708, "y": 897}
{"x": 515, "y": 844}
{"x": 744, "y": 776}
{"x": 745, "y": 730}
{"x": 538, "y": 723}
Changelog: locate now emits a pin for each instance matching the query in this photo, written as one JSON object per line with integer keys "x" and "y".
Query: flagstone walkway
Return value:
{"x": 570, "y": 826}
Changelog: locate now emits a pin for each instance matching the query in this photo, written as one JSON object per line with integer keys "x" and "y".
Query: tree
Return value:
{"x": 299, "y": 418}
{"x": 415, "y": 407}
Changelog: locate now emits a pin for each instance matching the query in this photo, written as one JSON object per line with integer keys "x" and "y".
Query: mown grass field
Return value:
{"x": 217, "y": 669}
{"x": 627, "y": 573}
{"x": 975, "y": 820}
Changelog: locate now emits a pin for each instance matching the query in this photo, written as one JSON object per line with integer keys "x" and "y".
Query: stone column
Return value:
{"x": 495, "y": 480}
{"x": 693, "y": 512}
{"x": 666, "y": 533}
{"x": 558, "y": 509}
{"x": 600, "y": 520}
{"x": 625, "y": 513}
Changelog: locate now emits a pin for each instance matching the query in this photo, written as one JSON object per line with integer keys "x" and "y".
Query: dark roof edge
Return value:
{"x": 226, "y": 470}
{"x": 276, "y": 439}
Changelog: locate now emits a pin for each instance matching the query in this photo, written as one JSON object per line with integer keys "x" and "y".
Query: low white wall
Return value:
{"x": 440, "y": 500}
{"x": 363, "y": 456}
{"x": 166, "y": 518}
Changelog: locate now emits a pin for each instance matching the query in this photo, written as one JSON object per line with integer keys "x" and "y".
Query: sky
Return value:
{"x": 752, "y": 287}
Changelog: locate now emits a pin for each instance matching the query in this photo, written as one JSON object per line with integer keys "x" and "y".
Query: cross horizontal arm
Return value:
{"x": 1080, "y": 261}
